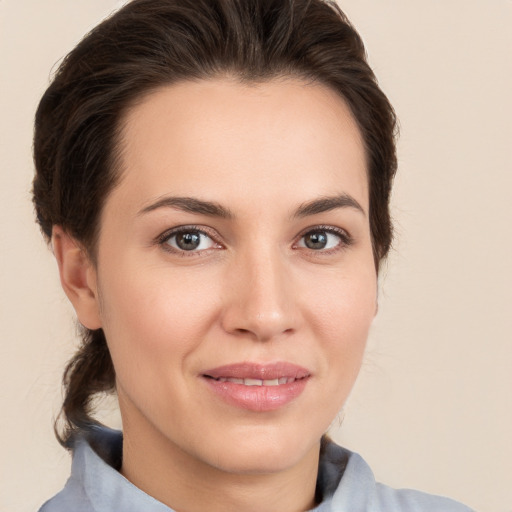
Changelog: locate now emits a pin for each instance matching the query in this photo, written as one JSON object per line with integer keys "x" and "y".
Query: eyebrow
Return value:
{"x": 213, "y": 209}
{"x": 189, "y": 204}
{"x": 325, "y": 204}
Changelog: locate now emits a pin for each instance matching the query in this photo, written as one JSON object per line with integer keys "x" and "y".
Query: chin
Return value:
{"x": 263, "y": 452}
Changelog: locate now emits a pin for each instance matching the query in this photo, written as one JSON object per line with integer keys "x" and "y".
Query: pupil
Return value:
{"x": 316, "y": 240}
{"x": 188, "y": 241}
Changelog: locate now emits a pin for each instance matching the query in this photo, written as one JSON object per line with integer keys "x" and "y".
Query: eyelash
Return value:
{"x": 345, "y": 240}
{"x": 163, "y": 239}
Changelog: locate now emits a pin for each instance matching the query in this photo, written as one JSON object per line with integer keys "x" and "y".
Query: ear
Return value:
{"x": 77, "y": 277}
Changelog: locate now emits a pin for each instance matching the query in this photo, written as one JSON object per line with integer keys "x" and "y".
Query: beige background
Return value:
{"x": 433, "y": 407}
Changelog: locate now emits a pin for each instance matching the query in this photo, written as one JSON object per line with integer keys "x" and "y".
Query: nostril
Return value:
{"x": 241, "y": 332}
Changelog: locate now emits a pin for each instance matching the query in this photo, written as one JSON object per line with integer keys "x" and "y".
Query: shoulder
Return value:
{"x": 71, "y": 498}
{"x": 96, "y": 484}
{"x": 415, "y": 501}
{"x": 358, "y": 491}
{"x": 65, "y": 502}
{"x": 74, "y": 495}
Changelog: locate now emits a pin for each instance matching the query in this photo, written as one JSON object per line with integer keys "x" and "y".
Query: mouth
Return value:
{"x": 256, "y": 382}
{"x": 257, "y": 387}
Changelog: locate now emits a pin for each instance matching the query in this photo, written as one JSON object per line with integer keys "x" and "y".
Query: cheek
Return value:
{"x": 152, "y": 313}
{"x": 344, "y": 303}
{"x": 343, "y": 314}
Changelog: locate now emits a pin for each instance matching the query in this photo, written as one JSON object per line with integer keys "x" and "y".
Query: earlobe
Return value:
{"x": 77, "y": 277}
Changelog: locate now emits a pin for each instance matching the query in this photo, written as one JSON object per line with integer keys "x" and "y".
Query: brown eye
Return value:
{"x": 321, "y": 239}
{"x": 189, "y": 240}
{"x": 316, "y": 240}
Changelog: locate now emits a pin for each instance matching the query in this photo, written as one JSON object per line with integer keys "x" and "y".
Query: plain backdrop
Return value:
{"x": 433, "y": 406}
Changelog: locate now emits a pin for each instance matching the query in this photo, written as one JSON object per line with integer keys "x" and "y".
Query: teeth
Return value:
{"x": 226, "y": 379}
{"x": 253, "y": 382}
{"x": 258, "y": 382}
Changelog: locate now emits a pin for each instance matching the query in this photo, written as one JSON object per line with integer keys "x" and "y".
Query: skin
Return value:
{"x": 253, "y": 291}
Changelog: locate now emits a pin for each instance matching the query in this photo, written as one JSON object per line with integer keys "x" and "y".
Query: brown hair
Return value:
{"x": 151, "y": 43}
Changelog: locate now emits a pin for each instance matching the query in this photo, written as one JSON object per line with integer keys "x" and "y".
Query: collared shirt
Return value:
{"x": 345, "y": 484}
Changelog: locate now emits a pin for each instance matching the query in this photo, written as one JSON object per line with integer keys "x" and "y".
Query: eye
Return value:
{"x": 324, "y": 239}
{"x": 187, "y": 239}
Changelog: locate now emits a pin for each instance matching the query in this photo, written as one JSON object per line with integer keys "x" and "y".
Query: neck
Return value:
{"x": 186, "y": 484}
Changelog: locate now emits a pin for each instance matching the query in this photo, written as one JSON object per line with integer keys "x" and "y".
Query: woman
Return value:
{"x": 214, "y": 177}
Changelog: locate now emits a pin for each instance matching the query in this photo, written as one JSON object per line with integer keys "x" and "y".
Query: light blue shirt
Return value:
{"x": 345, "y": 484}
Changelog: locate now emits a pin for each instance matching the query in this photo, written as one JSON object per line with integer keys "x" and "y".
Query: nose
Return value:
{"x": 261, "y": 299}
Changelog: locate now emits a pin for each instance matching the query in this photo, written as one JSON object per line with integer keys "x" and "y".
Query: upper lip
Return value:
{"x": 268, "y": 371}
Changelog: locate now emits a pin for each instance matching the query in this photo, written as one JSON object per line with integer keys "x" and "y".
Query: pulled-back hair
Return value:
{"x": 152, "y": 43}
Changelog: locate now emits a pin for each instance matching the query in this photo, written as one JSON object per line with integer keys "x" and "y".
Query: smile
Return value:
{"x": 258, "y": 382}
{"x": 257, "y": 387}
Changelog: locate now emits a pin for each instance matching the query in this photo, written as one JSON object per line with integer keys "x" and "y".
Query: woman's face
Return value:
{"x": 235, "y": 274}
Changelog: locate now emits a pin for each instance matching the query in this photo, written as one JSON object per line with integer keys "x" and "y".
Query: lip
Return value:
{"x": 259, "y": 398}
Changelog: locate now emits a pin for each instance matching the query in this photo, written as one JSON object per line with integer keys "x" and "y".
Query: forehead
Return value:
{"x": 277, "y": 139}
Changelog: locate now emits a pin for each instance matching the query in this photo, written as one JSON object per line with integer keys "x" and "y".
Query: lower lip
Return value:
{"x": 257, "y": 398}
